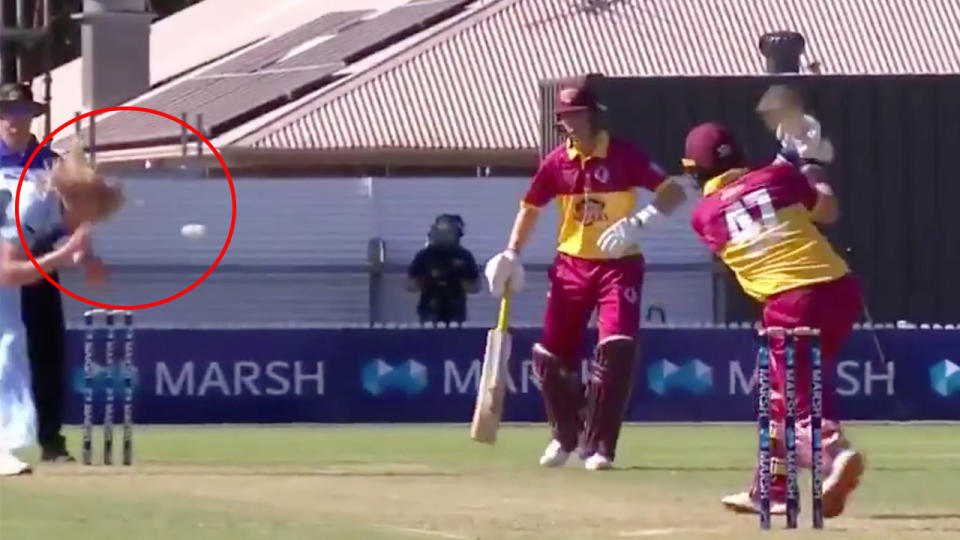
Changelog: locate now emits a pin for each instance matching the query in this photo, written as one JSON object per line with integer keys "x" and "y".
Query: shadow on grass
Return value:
{"x": 682, "y": 468}
{"x": 912, "y": 469}
{"x": 918, "y": 517}
{"x": 740, "y": 468}
{"x": 104, "y": 472}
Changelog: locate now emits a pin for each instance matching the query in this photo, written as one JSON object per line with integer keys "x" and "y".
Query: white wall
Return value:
{"x": 405, "y": 208}
{"x": 285, "y": 224}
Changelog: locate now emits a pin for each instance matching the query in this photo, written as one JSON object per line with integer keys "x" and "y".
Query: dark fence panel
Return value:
{"x": 897, "y": 141}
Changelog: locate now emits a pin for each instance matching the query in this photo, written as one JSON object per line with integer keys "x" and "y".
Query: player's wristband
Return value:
{"x": 789, "y": 156}
{"x": 813, "y": 161}
{"x": 815, "y": 174}
{"x": 643, "y": 216}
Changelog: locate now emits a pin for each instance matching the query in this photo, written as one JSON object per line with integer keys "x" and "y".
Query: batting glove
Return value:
{"x": 504, "y": 270}
{"x": 807, "y": 144}
{"x": 618, "y": 239}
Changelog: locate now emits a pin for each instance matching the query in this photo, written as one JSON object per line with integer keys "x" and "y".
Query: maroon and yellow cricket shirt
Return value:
{"x": 758, "y": 222}
{"x": 592, "y": 190}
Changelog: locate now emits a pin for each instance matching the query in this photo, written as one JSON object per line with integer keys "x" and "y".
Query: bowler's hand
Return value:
{"x": 95, "y": 271}
{"x": 72, "y": 251}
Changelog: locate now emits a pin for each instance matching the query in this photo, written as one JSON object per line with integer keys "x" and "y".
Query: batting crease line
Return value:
{"x": 643, "y": 533}
{"x": 428, "y": 532}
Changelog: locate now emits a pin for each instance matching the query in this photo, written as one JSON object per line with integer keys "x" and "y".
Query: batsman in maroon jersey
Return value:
{"x": 593, "y": 178}
{"x": 762, "y": 224}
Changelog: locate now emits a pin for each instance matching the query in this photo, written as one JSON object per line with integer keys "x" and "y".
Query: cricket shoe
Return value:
{"x": 598, "y": 462}
{"x": 56, "y": 454}
{"x": 11, "y": 466}
{"x": 744, "y": 503}
{"x": 844, "y": 477}
{"x": 554, "y": 455}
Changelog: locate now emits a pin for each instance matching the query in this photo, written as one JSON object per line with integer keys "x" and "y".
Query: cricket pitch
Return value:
{"x": 432, "y": 482}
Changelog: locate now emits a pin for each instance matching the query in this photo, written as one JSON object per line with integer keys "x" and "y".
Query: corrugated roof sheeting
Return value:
{"x": 199, "y": 34}
{"x": 228, "y": 89}
{"x": 270, "y": 72}
{"x": 474, "y": 85}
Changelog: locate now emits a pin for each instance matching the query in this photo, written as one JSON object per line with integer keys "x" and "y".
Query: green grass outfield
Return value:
{"x": 405, "y": 482}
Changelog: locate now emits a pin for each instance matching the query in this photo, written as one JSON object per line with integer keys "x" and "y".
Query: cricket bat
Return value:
{"x": 493, "y": 376}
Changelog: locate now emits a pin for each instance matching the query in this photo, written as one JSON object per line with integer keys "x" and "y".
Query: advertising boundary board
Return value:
{"x": 359, "y": 375}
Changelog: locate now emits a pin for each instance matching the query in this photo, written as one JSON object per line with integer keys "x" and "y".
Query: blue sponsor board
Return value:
{"x": 431, "y": 375}
{"x": 945, "y": 378}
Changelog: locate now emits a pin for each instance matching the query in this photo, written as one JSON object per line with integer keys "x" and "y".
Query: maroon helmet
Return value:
{"x": 579, "y": 94}
{"x": 712, "y": 149}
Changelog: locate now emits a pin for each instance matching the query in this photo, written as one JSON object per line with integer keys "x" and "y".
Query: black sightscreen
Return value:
{"x": 898, "y": 145}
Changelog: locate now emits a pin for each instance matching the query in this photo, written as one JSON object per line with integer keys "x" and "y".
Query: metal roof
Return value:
{"x": 270, "y": 73}
{"x": 194, "y": 37}
{"x": 473, "y": 85}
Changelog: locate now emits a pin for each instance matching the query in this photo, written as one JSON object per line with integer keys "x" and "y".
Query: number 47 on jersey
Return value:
{"x": 744, "y": 228}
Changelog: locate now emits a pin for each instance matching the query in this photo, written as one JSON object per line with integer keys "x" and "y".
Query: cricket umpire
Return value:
{"x": 42, "y": 305}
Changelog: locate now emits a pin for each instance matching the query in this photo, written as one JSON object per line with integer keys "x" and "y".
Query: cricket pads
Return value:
{"x": 611, "y": 380}
{"x": 562, "y": 393}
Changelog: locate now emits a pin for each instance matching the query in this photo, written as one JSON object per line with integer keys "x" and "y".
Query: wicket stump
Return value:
{"x": 791, "y": 338}
{"x": 109, "y": 376}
